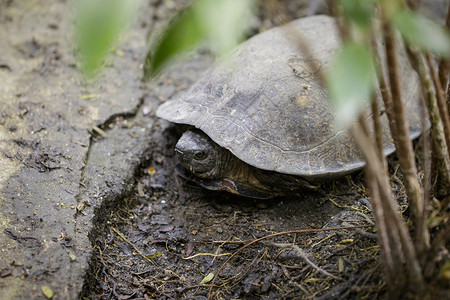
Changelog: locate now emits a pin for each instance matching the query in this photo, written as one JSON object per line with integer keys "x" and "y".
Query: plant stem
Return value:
{"x": 444, "y": 66}
{"x": 402, "y": 135}
{"x": 404, "y": 253}
{"x": 441, "y": 153}
{"x": 439, "y": 92}
{"x": 378, "y": 134}
{"x": 438, "y": 243}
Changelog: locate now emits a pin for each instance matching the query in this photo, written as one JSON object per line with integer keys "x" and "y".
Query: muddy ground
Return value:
{"x": 169, "y": 235}
{"x": 153, "y": 235}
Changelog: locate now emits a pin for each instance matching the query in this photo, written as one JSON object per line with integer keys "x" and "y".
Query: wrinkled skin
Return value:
{"x": 215, "y": 168}
{"x": 201, "y": 156}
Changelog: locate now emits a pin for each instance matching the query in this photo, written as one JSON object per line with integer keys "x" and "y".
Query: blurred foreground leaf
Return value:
{"x": 358, "y": 11}
{"x": 350, "y": 82}
{"x": 220, "y": 23}
{"x": 98, "y": 26}
{"x": 423, "y": 32}
{"x": 182, "y": 34}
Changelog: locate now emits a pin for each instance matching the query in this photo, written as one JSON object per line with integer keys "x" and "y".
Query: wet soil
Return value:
{"x": 54, "y": 170}
{"x": 169, "y": 237}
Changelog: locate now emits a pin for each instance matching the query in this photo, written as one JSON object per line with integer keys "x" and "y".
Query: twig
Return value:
{"x": 438, "y": 243}
{"x": 442, "y": 107}
{"x": 132, "y": 245}
{"x": 378, "y": 134}
{"x": 404, "y": 144}
{"x": 386, "y": 95}
{"x": 343, "y": 30}
{"x": 206, "y": 254}
{"x": 444, "y": 64}
{"x": 390, "y": 213}
{"x": 368, "y": 220}
{"x": 426, "y": 165}
{"x": 299, "y": 286}
{"x": 442, "y": 161}
{"x": 238, "y": 277}
{"x": 302, "y": 255}
{"x": 274, "y": 235}
{"x": 391, "y": 252}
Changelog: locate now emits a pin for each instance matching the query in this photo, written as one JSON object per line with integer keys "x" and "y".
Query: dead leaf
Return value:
{"x": 72, "y": 256}
{"x": 166, "y": 228}
{"x": 47, "y": 291}
{"x": 140, "y": 188}
{"x": 5, "y": 273}
{"x": 207, "y": 278}
{"x": 151, "y": 171}
{"x": 189, "y": 249}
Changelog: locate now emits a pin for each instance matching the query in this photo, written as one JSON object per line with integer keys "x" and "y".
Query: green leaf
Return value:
{"x": 152, "y": 256}
{"x": 183, "y": 34}
{"x": 350, "y": 82}
{"x": 420, "y": 31}
{"x": 225, "y": 22}
{"x": 220, "y": 23}
{"x": 207, "y": 278}
{"x": 340, "y": 265}
{"x": 98, "y": 27}
{"x": 358, "y": 11}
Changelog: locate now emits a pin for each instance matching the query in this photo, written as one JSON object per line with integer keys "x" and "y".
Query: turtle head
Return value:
{"x": 199, "y": 154}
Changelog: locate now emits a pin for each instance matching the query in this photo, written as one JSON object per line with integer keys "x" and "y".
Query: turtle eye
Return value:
{"x": 200, "y": 155}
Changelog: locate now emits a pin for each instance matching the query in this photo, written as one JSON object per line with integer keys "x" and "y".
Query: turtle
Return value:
{"x": 260, "y": 123}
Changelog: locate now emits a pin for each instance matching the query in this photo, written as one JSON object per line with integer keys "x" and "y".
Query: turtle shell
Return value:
{"x": 265, "y": 104}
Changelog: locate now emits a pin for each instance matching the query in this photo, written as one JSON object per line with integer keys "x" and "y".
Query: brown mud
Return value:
{"x": 169, "y": 236}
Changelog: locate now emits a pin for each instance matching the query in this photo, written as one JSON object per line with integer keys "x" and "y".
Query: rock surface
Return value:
{"x": 55, "y": 167}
